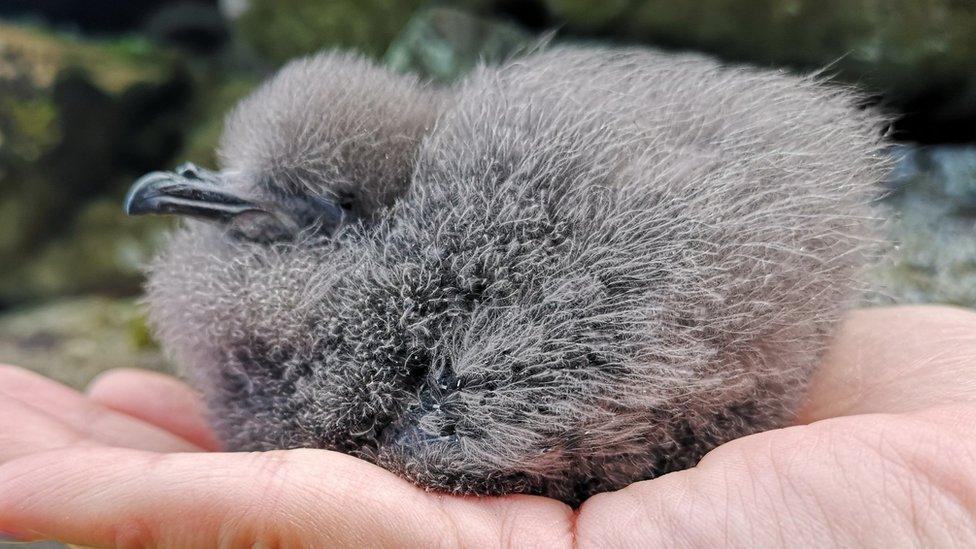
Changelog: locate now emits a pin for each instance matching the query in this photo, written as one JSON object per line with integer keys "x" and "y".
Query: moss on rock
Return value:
{"x": 79, "y": 120}
{"x": 280, "y": 30}
{"x": 921, "y": 55}
{"x": 114, "y": 65}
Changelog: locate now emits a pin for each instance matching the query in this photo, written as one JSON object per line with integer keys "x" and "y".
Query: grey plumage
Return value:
{"x": 334, "y": 125}
{"x": 606, "y": 263}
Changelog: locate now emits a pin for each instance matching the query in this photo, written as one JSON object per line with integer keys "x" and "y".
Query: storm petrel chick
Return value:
{"x": 579, "y": 269}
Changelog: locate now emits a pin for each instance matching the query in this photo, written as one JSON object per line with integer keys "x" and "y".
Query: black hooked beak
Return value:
{"x": 190, "y": 191}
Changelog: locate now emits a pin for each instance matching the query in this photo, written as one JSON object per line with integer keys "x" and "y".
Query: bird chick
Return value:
{"x": 606, "y": 263}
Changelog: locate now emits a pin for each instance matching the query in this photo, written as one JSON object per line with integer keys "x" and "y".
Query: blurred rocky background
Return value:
{"x": 95, "y": 93}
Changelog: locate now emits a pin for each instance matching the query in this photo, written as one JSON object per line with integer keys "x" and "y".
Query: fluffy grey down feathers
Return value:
{"x": 581, "y": 269}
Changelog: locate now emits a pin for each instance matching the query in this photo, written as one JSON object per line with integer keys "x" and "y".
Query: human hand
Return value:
{"x": 884, "y": 453}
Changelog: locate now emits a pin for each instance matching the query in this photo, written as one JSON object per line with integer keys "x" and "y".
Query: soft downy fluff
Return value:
{"x": 604, "y": 264}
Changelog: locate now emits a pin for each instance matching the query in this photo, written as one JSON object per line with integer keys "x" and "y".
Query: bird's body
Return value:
{"x": 604, "y": 264}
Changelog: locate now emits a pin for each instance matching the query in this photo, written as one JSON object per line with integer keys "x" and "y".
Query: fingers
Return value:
{"x": 26, "y": 431}
{"x": 37, "y": 413}
{"x": 116, "y": 497}
{"x": 878, "y": 480}
{"x": 157, "y": 399}
{"x": 897, "y": 359}
{"x": 61, "y": 484}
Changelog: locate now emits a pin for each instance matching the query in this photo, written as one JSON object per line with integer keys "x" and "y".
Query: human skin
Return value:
{"x": 883, "y": 454}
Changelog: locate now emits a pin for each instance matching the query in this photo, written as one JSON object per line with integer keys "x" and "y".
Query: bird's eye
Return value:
{"x": 324, "y": 214}
{"x": 285, "y": 217}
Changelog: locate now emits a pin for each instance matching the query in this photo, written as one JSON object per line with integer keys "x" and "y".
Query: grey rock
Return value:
{"x": 955, "y": 167}
{"x": 930, "y": 220}
{"x": 100, "y": 250}
{"x": 74, "y": 340}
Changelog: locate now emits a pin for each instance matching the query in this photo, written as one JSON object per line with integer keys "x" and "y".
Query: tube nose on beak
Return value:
{"x": 189, "y": 191}
{"x": 204, "y": 194}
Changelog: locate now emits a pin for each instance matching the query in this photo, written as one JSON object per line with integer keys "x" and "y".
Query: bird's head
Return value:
{"x": 328, "y": 141}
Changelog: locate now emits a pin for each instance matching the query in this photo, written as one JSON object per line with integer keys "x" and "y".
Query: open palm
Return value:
{"x": 884, "y": 452}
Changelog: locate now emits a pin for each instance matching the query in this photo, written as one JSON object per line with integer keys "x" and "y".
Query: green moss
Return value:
{"x": 587, "y": 14}
{"x": 114, "y": 65}
{"x": 918, "y": 53}
{"x": 279, "y": 30}
{"x": 78, "y": 120}
{"x": 140, "y": 333}
{"x": 31, "y": 125}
